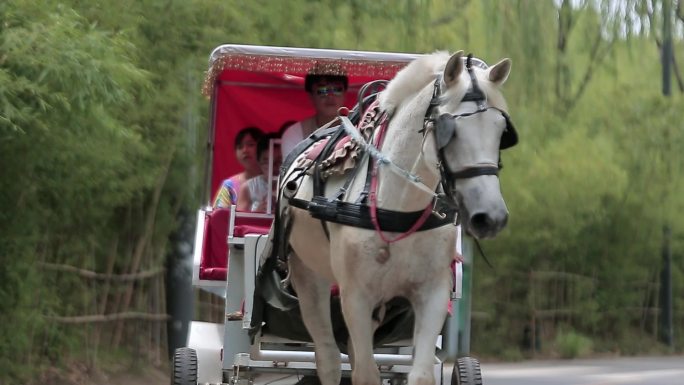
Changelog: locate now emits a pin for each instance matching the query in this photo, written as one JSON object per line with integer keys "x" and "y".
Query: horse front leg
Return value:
{"x": 430, "y": 308}
{"x": 357, "y": 311}
{"x": 314, "y": 302}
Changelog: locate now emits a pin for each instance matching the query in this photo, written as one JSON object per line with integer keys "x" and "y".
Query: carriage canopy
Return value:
{"x": 264, "y": 87}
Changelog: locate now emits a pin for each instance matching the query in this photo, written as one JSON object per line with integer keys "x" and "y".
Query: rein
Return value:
{"x": 383, "y": 160}
{"x": 374, "y": 198}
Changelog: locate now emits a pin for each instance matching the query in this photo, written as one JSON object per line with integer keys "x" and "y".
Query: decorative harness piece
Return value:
{"x": 357, "y": 213}
{"x": 369, "y": 216}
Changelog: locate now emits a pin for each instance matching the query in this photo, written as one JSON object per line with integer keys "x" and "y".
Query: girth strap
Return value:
{"x": 352, "y": 214}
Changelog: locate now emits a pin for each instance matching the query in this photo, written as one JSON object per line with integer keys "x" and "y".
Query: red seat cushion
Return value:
{"x": 253, "y": 221}
{"x": 251, "y": 225}
{"x": 214, "y": 261}
{"x": 242, "y": 230}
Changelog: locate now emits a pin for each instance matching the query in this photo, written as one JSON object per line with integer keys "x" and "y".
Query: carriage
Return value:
{"x": 263, "y": 333}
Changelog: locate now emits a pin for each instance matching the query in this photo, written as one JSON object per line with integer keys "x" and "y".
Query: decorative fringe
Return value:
{"x": 297, "y": 66}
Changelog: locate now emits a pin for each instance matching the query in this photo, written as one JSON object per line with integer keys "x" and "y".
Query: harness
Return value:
{"x": 272, "y": 294}
{"x": 358, "y": 213}
{"x": 363, "y": 212}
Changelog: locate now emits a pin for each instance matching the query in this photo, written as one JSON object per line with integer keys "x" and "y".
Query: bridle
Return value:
{"x": 444, "y": 129}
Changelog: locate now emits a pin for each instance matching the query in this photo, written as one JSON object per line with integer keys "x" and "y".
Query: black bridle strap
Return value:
{"x": 472, "y": 172}
{"x": 448, "y": 178}
{"x": 434, "y": 102}
{"x": 475, "y": 94}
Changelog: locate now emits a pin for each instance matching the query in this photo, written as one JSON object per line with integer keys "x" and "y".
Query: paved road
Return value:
{"x": 618, "y": 371}
{"x": 621, "y": 371}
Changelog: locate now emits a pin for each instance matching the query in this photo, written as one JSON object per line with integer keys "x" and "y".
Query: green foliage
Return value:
{"x": 633, "y": 342}
{"x": 592, "y": 183}
{"x": 571, "y": 344}
{"x": 93, "y": 120}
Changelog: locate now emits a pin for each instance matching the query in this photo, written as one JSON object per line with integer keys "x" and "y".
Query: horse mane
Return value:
{"x": 412, "y": 79}
{"x": 494, "y": 96}
{"x": 422, "y": 71}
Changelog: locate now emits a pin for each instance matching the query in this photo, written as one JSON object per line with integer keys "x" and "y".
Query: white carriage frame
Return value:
{"x": 217, "y": 343}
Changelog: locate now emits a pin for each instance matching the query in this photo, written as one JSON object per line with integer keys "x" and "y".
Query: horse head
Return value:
{"x": 471, "y": 126}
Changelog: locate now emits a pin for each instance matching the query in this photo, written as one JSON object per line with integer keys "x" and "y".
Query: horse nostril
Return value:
{"x": 485, "y": 225}
{"x": 481, "y": 222}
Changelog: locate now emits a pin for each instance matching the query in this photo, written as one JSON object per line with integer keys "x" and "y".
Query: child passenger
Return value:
{"x": 253, "y": 194}
{"x": 245, "y": 151}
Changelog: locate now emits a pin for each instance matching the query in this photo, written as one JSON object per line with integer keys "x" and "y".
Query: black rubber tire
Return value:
{"x": 184, "y": 367}
{"x": 466, "y": 372}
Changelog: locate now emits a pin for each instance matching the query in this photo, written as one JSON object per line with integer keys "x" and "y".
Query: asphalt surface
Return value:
{"x": 619, "y": 371}
{"x": 613, "y": 371}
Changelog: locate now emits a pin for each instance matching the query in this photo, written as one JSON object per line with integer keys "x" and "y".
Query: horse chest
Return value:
{"x": 397, "y": 270}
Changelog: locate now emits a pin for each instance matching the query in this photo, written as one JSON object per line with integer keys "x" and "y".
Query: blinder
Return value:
{"x": 509, "y": 138}
{"x": 445, "y": 131}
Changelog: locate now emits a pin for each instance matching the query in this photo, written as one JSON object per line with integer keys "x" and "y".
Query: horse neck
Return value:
{"x": 402, "y": 145}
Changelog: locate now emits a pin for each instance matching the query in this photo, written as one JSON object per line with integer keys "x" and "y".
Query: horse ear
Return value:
{"x": 499, "y": 72}
{"x": 453, "y": 69}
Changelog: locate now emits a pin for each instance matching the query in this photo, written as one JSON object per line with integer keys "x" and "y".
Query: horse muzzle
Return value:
{"x": 486, "y": 224}
{"x": 482, "y": 210}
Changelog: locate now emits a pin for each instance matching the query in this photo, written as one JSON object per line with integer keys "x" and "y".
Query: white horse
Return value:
{"x": 461, "y": 134}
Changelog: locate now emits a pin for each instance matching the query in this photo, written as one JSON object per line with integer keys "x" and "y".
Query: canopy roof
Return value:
{"x": 264, "y": 86}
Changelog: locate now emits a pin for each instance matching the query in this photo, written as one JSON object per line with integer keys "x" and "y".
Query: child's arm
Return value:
{"x": 244, "y": 201}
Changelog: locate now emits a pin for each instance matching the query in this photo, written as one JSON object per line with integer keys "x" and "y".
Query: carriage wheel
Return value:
{"x": 466, "y": 372}
{"x": 184, "y": 367}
